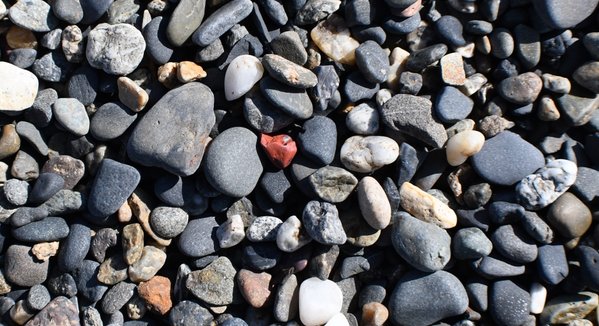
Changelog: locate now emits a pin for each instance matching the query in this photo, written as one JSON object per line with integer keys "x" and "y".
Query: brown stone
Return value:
{"x": 374, "y": 314}
{"x": 4, "y": 286}
{"x": 188, "y": 71}
{"x": 59, "y": 312}
{"x": 113, "y": 270}
{"x": 10, "y": 142}
{"x": 167, "y": 75}
{"x": 157, "y": 294}
{"x": 426, "y": 207}
{"x": 255, "y": 287}
{"x": 124, "y": 214}
{"x": 133, "y": 243}
{"x": 452, "y": 69}
{"x": 142, "y": 212}
{"x": 569, "y": 216}
{"x": 69, "y": 168}
{"x": 18, "y": 38}
{"x": 43, "y": 251}
{"x": 130, "y": 94}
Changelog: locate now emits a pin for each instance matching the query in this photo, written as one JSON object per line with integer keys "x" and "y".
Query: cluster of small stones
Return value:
{"x": 299, "y": 162}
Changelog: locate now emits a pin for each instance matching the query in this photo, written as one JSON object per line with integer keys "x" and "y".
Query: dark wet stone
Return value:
{"x": 113, "y": 184}
{"x": 111, "y": 120}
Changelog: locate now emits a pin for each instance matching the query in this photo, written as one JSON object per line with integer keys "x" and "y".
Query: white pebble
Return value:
{"x": 242, "y": 73}
{"x": 18, "y": 88}
{"x": 539, "y": 190}
{"x": 263, "y": 228}
{"x": 374, "y": 203}
{"x": 538, "y": 295}
{"x": 366, "y": 154}
{"x": 338, "y": 320}
{"x": 363, "y": 120}
{"x": 463, "y": 145}
{"x": 231, "y": 232}
{"x": 289, "y": 237}
{"x": 319, "y": 301}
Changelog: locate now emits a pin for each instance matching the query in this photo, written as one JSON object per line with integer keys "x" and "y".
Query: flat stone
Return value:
{"x": 74, "y": 248}
{"x": 71, "y": 169}
{"x": 199, "y": 237}
{"x": 31, "y": 134}
{"x": 21, "y": 92}
{"x": 132, "y": 95}
{"x": 186, "y": 18}
{"x": 86, "y": 277}
{"x": 221, "y": 20}
{"x": 509, "y": 304}
{"x": 374, "y": 205}
{"x": 288, "y": 72}
{"x": 452, "y": 69}
{"x": 357, "y": 88}
{"x": 575, "y": 109}
{"x": 372, "y": 61}
{"x": 318, "y": 140}
{"x": 21, "y": 268}
{"x": 559, "y": 15}
{"x": 326, "y": 88}
{"x": 552, "y": 264}
{"x": 156, "y": 292}
{"x": 289, "y": 46}
{"x": 254, "y": 287}
{"x": 60, "y": 311}
{"x": 71, "y": 115}
{"x": 117, "y": 296}
{"x": 116, "y": 49}
{"x": 168, "y": 222}
{"x": 292, "y": 101}
{"x": 214, "y": 284}
{"x": 48, "y": 229}
{"x": 452, "y": 105}
{"x": 111, "y": 120}
{"x": 34, "y": 15}
{"x": 113, "y": 184}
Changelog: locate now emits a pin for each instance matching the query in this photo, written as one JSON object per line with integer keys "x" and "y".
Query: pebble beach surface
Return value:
{"x": 299, "y": 162}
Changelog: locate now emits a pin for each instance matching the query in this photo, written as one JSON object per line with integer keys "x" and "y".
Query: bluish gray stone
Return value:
{"x": 321, "y": 222}
{"x": 292, "y": 101}
{"x": 276, "y": 185}
{"x": 111, "y": 120}
{"x": 46, "y": 230}
{"x": 199, "y": 237}
{"x": 37, "y": 297}
{"x": 84, "y": 84}
{"x": 40, "y": 113}
{"x": 46, "y": 186}
{"x": 157, "y": 45}
{"x": 69, "y": 11}
{"x": 528, "y": 45}
{"x": 318, "y": 141}
{"x": 52, "y": 67}
{"x": 561, "y": 15}
{"x": 452, "y": 105}
{"x": 502, "y": 43}
{"x": 74, "y": 248}
{"x": 513, "y": 244}
{"x": 117, "y": 296}
{"x": 186, "y": 18}
{"x": 86, "y": 278}
{"x": 328, "y": 83}
{"x": 188, "y": 313}
{"x": 26, "y": 215}
{"x": 260, "y": 256}
{"x": 93, "y": 10}
{"x": 262, "y": 116}
{"x": 22, "y": 58}
{"x": 221, "y": 20}
{"x": 71, "y": 114}
{"x": 30, "y": 133}
{"x": 492, "y": 267}
{"x": 450, "y": 29}
{"x": 420, "y": 59}
{"x": 113, "y": 184}
{"x": 289, "y": 46}
{"x": 357, "y": 88}
{"x": 403, "y": 25}
{"x": 22, "y": 268}
{"x": 372, "y": 61}
{"x": 471, "y": 243}
{"x": 34, "y": 15}
{"x": 509, "y": 304}
{"x": 552, "y": 264}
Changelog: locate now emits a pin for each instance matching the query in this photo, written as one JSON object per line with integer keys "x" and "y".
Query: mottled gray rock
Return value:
{"x": 321, "y": 221}
{"x": 199, "y": 237}
{"x": 168, "y": 222}
{"x": 513, "y": 244}
{"x": 471, "y": 243}
{"x": 116, "y": 49}
{"x": 34, "y": 15}
{"x": 22, "y": 268}
{"x": 539, "y": 190}
{"x": 333, "y": 184}
{"x": 214, "y": 284}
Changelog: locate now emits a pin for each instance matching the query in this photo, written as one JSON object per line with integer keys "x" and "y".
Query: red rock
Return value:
{"x": 255, "y": 287}
{"x": 157, "y": 294}
{"x": 280, "y": 149}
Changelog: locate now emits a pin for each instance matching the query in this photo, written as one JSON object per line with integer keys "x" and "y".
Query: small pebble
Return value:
{"x": 318, "y": 301}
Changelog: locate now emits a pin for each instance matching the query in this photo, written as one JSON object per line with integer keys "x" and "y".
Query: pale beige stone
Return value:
{"x": 463, "y": 145}
{"x": 167, "y": 75}
{"x": 397, "y": 60}
{"x": 43, "y": 251}
{"x": 426, "y": 207}
{"x": 452, "y": 69}
{"x": 188, "y": 71}
{"x": 334, "y": 39}
{"x": 374, "y": 204}
{"x": 548, "y": 110}
{"x": 130, "y": 94}
{"x": 18, "y": 94}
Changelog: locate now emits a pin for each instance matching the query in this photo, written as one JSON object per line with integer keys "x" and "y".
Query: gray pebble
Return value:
{"x": 116, "y": 49}
{"x": 508, "y": 303}
{"x": 292, "y": 101}
{"x": 333, "y": 184}
{"x": 157, "y": 46}
{"x": 492, "y": 267}
{"x": 263, "y": 116}
{"x": 46, "y": 186}
{"x": 289, "y": 46}
{"x": 502, "y": 43}
{"x": 34, "y": 15}
{"x": 321, "y": 221}
{"x": 26, "y": 215}
{"x": 357, "y": 88}
{"x": 24, "y": 166}
{"x": 16, "y": 191}
{"x": 62, "y": 285}
{"x": 22, "y": 58}
{"x": 66, "y": 202}
{"x": 102, "y": 240}
{"x": 288, "y": 72}
{"x": 46, "y": 230}
{"x": 117, "y": 296}
{"x": 276, "y": 185}
{"x": 513, "y": 244}
{"x": 189, "y": 313}
{"x": 221, "y": 20}
{"x": 552, "y": 264}
{"x": 586, "y": 186}
{"x": 318, "y": 141}
{"x": 74, "y": 248}
{"x": 122, "y": 11}
{"x": 22, "y": 268}
{"x": 168, "y": 222}
{"x": 51, "y": 40}
{"x": 452, "y": 105}
{"x": 199, "y": 237}
{"x": 113, "y": 184}
{"x": 528, "y": 46}
{"x": 69, "y": 11}
{"x": 111, "y": 120}
{"x": 37, "y": 297}
{"x": 87, "y": 281}
{"x": 471, "y": 243}
{"x": 536, "y": 227}
{"x": 40, "y": 113}
{"x": 328, "y": 82}
{"x": 372, "y": 61}
{"x": 84, "y": 84}
{"x": 30, "y": 133}
{"x": 52, "y": 67}
{"x": 186, "y": 18}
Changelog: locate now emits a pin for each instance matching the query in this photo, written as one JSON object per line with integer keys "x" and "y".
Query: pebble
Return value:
{"x": 60, "y": 311}
{"x": 34, "y": 15}
{"x": 10, "y": 141}
{"x": 86, "y": 278}
{"x": 262, "y": 116}
{"x": 117, "y": 49}
{"x": 151, "y": 261}
{"x": 37, "y": 297}
{"x": 21, "y": 268}
{"x": 463, "y": 145}
{"x": 586, "y": 76}
{"x": 111, "y": 120}
{"x": 44, "y": 250}
{"x": 538, "y": 295}
{"x": 285, "y": 302}
{"x": 367, "y": 154}
{"x": 24, "y": 167}
{"x": 423, "y": 245}
{"x": 450, "y": 29}
{"x": 539, "y": 190}
{"x": 289, "y": 46}
{"x": 69, "y": 11}
{"x": 426, "y": 207}
{"x": 506, "y": 159}
{"x": 113, "y": 270}
{"x": 372, "y": 61}
{"x": 412, "y": 116}
{"x": 290, "y": 236}
{"x": 113, "y": 184}
{"x": 69, "y": 168}
{"x": 74, "y": 248}
{"x": 241, "y": 75}
{"x": 576, "y": 110}
{"x": 254, "y": 287}
{"x": 188, "y": 71}
{"x": 522, "y": 89}
{"x": 509, "y": 304}
{"x": 280, "y": 149}
{"x": 363, "y": 119}
{"x": 569, "y": 216}
{"x": 373, "y": 202}
{"x": 319, "y": 300}
{"x": 186, "y": 18}
{"x": 334, "y": 39}
{"x": 28, "y": 132}
{"x": 260, "y": 256}
{"x": 21, "y": 92}
{"x": 47, "y": 229}
{"x": 452, "y": 105}
{"x": 199, "y": 237}
{"x": 471, "y": 243}
{"x": 514, "y": 244}
{"x": 22, "y": 58}
{"x": 263, "y": 228}
{"x": 131, "y": 95}
{"x": 559, "y": 15}
{"x": 168, "y": 222}
{"x": 288, "y": 72}
{"x": 552, "y": 263}
{"x": 231, "y": 232}
{"x": 232, "y": 165}
{"x": 117, "y": 296}
{"x": 156, "y": 293}
{"x": 46, "y": 186}
{"x": 422, "y": 58}
{"x": 502, "y": 43}
{"x": 16, "y": 191}
{"x": 221, "y": 20}
{"x": 318, "y": 140}
{"x": 565, "y": 309}
{"x": 321, "y": 222}
{"x": 292, "y": 101}
{"x": 357, "y": 88}
{"x": 325, "y": 91}
{"x": 189, "y": 313}
{"x": 157, "y": 45}
{"x": 332, "y": 184}
{"x": 94, "y": 9}
{"x": 179, "y": 153}
{"x": 411, "y": 303}
{"x": 374, "y": 313}
{"x": 214, "y": 284}
{"x": 72, "y": 44}
{"x": 71, "y": 115}
{"x": 584, "y": 186}
{"x": 452, "y": 69}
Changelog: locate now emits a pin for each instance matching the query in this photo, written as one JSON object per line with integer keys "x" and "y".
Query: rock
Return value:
{"x": 241, "y": 75}
{"x": 21, "y": 92}
{"x": 315, "y": 10}
{"x": 292, "y": 101}
{"x": 426, "y": 207}
{"x": 232, "y": 165}
{"x": 31, "y": 134}
{"x": 46, "y": 186}
{"x": 568, "y": 308}
{"x": 16, "y": 191}
{"x": 24, "y": 166}
{"x": 93, "y": 10}
{"x": 552, "y": 264}
{"x": 151, "y": 261}
{"x": 221, "y": 20}
{"x": 325, "y": 91}
{"x": 280, "y": 149}
{"x": 509, "y": 304}
{"x": 425, "y": 246}
{"x": 74, "y": 248}
{"x": 412, "y": 115}
{"x": 71, "y": 115}
{"x": 260, "y": 256}
{"x": 69, "y": 168}
{"x": 586, "y": 75}
{"x": 452, "y": 105}
{"x": 111, "y": 120}
{"x": 113, "y": 270}
{"x": 188, "y": 71}
{"x": 367, "y": 154}
{"x": 413, "y": 303}
{"x": 186, "y": 18}
{"x": 357, "y": 88}
{"x": 452, "y": 69}
{"x": 69, "y": 11}
{"x": 538, "y": 295}
{"x": 60, "y": 311}
{"x": 132, "y": 240}
{"x": 290, "y": 236}
{"x": 86, "y": 278}
{"x": 463, "y": 145}
{"x": 471, "y": 243}
{"x": 231, "y": 232}
{"x": 189, "y": 313}
{"x": 585, "y": 187}
{"x": 184, "y": 136}
{"x": 286, "y": 299}
{"x": 157, "y": 294}
{"x": 254, "y": 287}
{"x": 288, "y": 72}
{"x": 168, "y": 222}
{"x": 34, "y": 15}
{"x": 52, "y": 67}
{"x": 113, "y": 184}
{"x": 333, "y": 38}
{"x": 10, "y": 141}
{"x": 72, "y": 43}
{"x": 131, "y": 95}
{"x": 21, "y": 268}
{"x": 318, "y": 140}
{"x": 214, "y": 284}
{"x": 263, "y": 228}
{"x": 289, "y": 46}
{"x": 319, "y": 300}
{"x": 363, "y": 119}
{"x": 558, "y": 15}
{"x": 321, "y": 221}
{"x": 332, "y": 184}
{"x": 263, "y": 116}
{"x": 37, "y": 297}
{"x": 372, "y": 61}
{"x": 502, "y": 43}
{"x": 506, "y": 159}
{"x": 116, "y": 49}
{"x": 514, "y": 245}
{"x": 522, "y": 89}
{"x": 199, "y": 237}
{"x": 48, "y": 229}
{"x": 576, "y": 110}
{"x": 117, "y": 296}
{"x": 422, "y": 58}
{"x": 539, "y": 190}
{"x": 44, "y": 250}
{"x": 374, "y": 205}
{"x": 122, "y": 11}
{"x": 569, "y": 216}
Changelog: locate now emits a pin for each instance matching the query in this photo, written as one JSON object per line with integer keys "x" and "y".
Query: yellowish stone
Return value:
{"x": 43, "y": 251}
{"x": 334, "y": 39}
{"x": 18, "y": 38}
{"x": 130, "y": 94}
{"x": 188, "y": 71}
{"x": 426, "y": 207}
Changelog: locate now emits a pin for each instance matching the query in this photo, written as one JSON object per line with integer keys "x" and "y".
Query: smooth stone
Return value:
{"x": 185, "y": 19}
{"x": 539, "y": 190}
{"x": 569, "y": 216}
{"x": 122, "y": 11}
{"x": 291, "y": 236}
{"x": 450, "y": 29}
{"x": 513, "y": 244}
{"x": 363, "y": 119}
{"x": 184, "y": 136}
{"x": 576, "y": 110}
{"x": 292, "y": 101}
{"x": 357, "y": 88}
{"x": 26, "y": 215}
{"x": 241, "y": 75}
{"x": 260, "y": 256}
{"x": 372, "y": 61}
{"x": 113, "y": 184}
{"x": 60, "y": 310}
{"x": 359, "y": 233}
{"x": 589, "y": 258}
{"x": 93, "y": 10}
{"x": 74, "y": 248}
{"x": 552, "y": 264}
{"x": 21, "y": 92}
{"x": 586, "y": 76}
{"x": 276, "y": 185}
{"x": 21, "y": 268}
{"x": 214, "y": 284}
{"x": 69, "y": 168}
{"x": 254, "y": 287}
{"x": 318, "y": 140}
{"x": 528, "y": 45}
{"x": 319, "y": 300}
{"x": 452, "y": 105}
{"x": 157, "y": 45}
{"x": 285, "y": 303}
{"x": 585, "y": 186}
{"x": 423, "y": 245}
{"x": 84, "y": 85}
{"x": 231, "y": 232}
{"x": 199, "y": 237}
{"x": 538, "y": 295}
{"x": 413, "y": 116}
{"x": 402, "y": 26}
{"x": 367, "y": 154}
{"x": 10, "y": 143}
{"x": 334, "y": 39}
{"x": 40, "y": 113}
{"x": 536, "y": 227}
{"x": 471, "y": 243}
{"x": 187, "y": 313}
{"x": 506, "y": 159}
{"x": 47, "y": 229}
{"x": 332, "y": 184}
{"x": 37, "y": 297}
{"x": 369, "y": 33}
{"x": 321, "y": 221}
{"x": 22, "y": 58}
{"x": 426, "y": 207}
{"x": 71, "y": 114}
{"x": 522, "y": 89}
{"x": 502, "y": 43}
{"x": 116, "y": 49}
{"x": 111, "y": 120}
{"x": 565, "y": 309}
{"x": 289, "y": 46}
{"x": 168, "y": 222}
{"x": 560, "y": 15}
{"x": 30, "y": 133}
{"x": 66, "y": 202}
{"x": 288, "y": 72}
{"x": 263, "y": 116}
{"x": 328, "y": 83}
{"x": 373, "y": 202}
{"x": 16, "y": 191}
{"x": 145, "y": 268}
{"x": 463, "y": 145}
{"x": 113, "y": 270}
{"x": 86, "y": 278}
{"x": 263, "y": 228}
{"x": 34, "y": 15}
{"x": 24, "y": 166}
{"x": 221, "y": 20}
{"x": 509, "y": 304}
{"x": 117, "y": 296}
{"x": 69, "y": 11}
{"x": 422, "y": 58}
{"x": 415, "y": 299}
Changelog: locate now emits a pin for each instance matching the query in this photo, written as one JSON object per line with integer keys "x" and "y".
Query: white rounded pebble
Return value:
{"x": 18, "y": 94}
{"x": 538, "y": 295}
{"x": 289, "y": 236}
{"x": 366, "y": 154}
{"x": 363, "y": 120}
{"x": 539, "y": 190}
{"x": 374, "y": 204}
{"x": 243, "y": 72}
{"x": 231, "y": 232}
{"x": 319, "y": 301}
{"x": 463, "y": 145}
{"x": 338, "y": 320}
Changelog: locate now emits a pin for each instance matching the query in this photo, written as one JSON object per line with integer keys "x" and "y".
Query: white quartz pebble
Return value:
{"x": 463, "y": 145}
{"x": 290, "y": 236}
{"x": 319, "y": 301}
{"x": 363, "y": 120}
{"x": 18, "y": 88}
{"x": 242, "y": 73}
{"x": 231, "y": 232}
{"x": 366, "y": 154}
{"x": 538, "y": 294}
{"x": 338, "y": 320}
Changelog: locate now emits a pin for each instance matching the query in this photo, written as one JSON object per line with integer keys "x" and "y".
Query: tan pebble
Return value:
{"x": 130, "y": 94}
{"x": 132, "y": 242}
{"x": 426, "y": 207}
{"x": 218, "y": 309}
{"x": 493, "y": 124}
{"x": 20, "y": 314}
{"x": 466, "y": 51}
{"x": 112, "y": 270}
{"x": 463, "y": 145}
{"x": 188, "y": 71}
{"x": 151, "y": 261}
{"x": 374, "y": 314}
{"x": 397, "y": 61}
{"x": 167, "y": 75}
{"x": 548, "y": 111}
{"x": 255, "y": 287}
{"x": 10, "y": 142}
{"x": 483, "y": 45}
{"x": 18, "y": 38}
{"x": 334, "y": 39}
{"x": 73, "y": 45}
{"x": 43, "y": 251}
{"x": 373, "y": 202}
{"x": 157, "y": 294}
{"x": 124, "y": 213}
{"x": 314, "y": 59}
{"x": 142, "y": 213}
{"x": 4, "y": 286}
{"x": 136, "y": 308}
{"x": 452, "y": 69}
